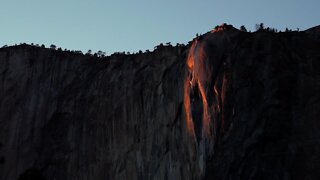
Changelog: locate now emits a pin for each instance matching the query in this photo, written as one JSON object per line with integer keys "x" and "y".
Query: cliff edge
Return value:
{"x": 230, "y": 105}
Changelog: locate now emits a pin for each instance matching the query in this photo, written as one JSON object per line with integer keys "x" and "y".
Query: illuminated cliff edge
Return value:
{"x": 205, "y": 85}
{"x": 205, "y": 89}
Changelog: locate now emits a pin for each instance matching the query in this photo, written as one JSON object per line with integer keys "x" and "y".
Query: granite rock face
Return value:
{"x": 231, "y": 105}
{"x": 77, "y": 117}
{"x": 260, "y": 99}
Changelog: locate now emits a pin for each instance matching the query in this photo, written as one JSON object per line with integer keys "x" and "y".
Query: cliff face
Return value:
{"x": 74, "y": 117}
{"x": 232, "y": 105}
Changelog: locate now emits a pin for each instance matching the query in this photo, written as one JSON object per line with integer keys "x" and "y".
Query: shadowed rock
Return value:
{"x": 231, "y": 105}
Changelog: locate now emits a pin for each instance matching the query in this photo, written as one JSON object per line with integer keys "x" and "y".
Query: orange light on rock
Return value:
{"x": 197, "y": 77}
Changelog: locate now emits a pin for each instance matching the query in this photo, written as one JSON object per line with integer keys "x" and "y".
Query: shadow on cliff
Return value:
{"x": 32, "y": 174}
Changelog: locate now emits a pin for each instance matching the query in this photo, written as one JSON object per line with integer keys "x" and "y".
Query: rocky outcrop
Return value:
{"x": 259, "y": 94}
{"x": 231, "y": 105}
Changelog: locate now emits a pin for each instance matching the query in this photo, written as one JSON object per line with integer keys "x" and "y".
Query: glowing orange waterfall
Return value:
{"x": 196, "y": 77}
{"x": 187, "y": 87}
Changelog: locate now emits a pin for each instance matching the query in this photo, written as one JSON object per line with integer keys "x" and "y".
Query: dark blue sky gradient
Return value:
{"x": 125, "y": 25}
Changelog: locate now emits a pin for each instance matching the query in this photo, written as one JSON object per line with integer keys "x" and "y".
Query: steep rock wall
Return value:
{"x": 71, "y": 116}
{"x": 232, "y": 105}
{"x": 258, "y": 95}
